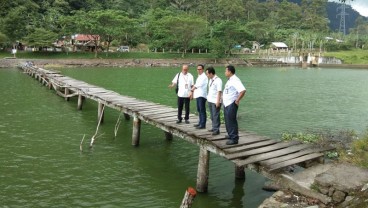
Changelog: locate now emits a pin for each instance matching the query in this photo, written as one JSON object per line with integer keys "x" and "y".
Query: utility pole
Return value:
{"x": 342, "y": 15}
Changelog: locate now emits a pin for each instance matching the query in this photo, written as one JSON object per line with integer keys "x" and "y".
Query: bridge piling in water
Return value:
{"x": 203, "y": 169}
{"x": 136, "y": 130}
{"x": 80, "y": 102}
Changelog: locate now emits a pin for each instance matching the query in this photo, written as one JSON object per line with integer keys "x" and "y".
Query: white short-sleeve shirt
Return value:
{"x": 232, "y": 89}
{"x": 185, "y": 84}
{"x": 215, "y": 86}
{"x": 201, "y": 86}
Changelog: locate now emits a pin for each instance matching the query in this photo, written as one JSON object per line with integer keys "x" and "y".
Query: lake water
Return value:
{"x": 42, "y": 166}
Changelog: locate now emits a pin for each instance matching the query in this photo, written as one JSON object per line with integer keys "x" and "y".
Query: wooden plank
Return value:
{"x": 264, "y": 149}
{"x": 295, "y": 161}
{"x": 162, "y": 115}
{"x": 156, "y": 112}
{"x": 294, "y": 155}
{"x": 251, "y": 144}
{"x": 273, "y": 154}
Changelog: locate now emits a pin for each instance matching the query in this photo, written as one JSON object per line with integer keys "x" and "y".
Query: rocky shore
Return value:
{"x": 337, "y": 185}
{"x": 121, "y": 63}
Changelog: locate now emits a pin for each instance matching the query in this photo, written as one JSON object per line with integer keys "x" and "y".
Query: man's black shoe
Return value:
{"x": 196, "y": 125}
{"x": 178, "y": 121}
{"x": 216, "y": 133}
{"x": 231, "y": 142}
{"x": 187, "y": 122}
{"x": 210, "y": 130}
{"x": 200, "y": 127}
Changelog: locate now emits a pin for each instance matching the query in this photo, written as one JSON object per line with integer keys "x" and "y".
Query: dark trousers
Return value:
{"x": 231, "y": 123}
{"x": 183, "y": 102}
{"x": 215, "y": 116}
{"x": 201, "y": 108}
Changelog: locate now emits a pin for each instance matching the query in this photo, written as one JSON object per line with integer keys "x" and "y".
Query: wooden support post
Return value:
{"x": 239, "y": 172}
{"x": 66, "y": 93}
{"x": 168, "y": 135}
{"x": 126, "y": 116}
{"x": 188, "y": 199}
{"x": 203, "y": 169}
{"x": 80, "y": 102}
{"x": 136, "y": 130}
{"x": 100, "y": 112}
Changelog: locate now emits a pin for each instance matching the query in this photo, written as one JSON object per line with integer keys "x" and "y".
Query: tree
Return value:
{"x": 100, "y": 25}
{"x": 114, "y": 25}
{"x": 41, "y": 38}
{"x": 20, "y": 21}
{"x": 230, "y": 10}
{"x": 314, "y": 15}
{"x": 4, "y": 40}
{"x": 230, "y": 33}
{"x": 183, "y": 29}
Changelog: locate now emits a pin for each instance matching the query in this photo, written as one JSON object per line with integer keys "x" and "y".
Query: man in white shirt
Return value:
{"x": 199, "y": 91}
{"x": 184, "y": 81}
{"x": 214, "y": 99}
{"x": 234, "y": 91}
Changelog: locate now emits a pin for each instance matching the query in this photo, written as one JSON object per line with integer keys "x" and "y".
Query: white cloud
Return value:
{"x": 360, "y": 6}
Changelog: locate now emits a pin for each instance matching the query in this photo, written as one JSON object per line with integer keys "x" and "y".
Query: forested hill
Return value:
{"x": 333, "y": 11}
{"x": 215, "y": 25}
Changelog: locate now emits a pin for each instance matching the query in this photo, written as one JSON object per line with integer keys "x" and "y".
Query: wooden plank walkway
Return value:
{"x": 252, "y": 151}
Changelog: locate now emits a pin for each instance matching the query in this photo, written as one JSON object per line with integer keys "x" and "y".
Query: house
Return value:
{"x": 255, "y": 46}
{"x": 280, "y": 46}
{"x": 85, "y": 42}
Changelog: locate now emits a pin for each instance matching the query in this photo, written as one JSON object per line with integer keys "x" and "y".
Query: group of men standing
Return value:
{"x": 208, "y": 87}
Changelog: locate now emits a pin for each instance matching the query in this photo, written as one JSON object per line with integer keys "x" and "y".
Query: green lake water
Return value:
{"x": 40, "y": 133}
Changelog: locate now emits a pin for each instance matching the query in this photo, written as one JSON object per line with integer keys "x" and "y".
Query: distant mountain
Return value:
{"x": 333, "y": 11}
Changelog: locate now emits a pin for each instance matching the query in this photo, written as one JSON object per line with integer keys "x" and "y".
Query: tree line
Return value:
{"x": 214, "y": 25}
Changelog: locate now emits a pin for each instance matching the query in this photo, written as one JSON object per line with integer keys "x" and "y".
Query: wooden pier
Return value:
{"x": 267, "y": 156}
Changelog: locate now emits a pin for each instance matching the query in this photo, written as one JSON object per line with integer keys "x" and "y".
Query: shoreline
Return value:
{"x": 122, "y": 63}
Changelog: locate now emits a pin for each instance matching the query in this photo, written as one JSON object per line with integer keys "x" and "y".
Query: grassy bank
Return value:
{"x": 103, "y": 55}
{"x": 356, "y": 56}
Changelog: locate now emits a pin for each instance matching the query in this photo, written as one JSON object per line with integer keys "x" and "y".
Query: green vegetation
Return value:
{"x": 349, "y": 147}
{"x": 172, "y": 25}
{"x": 353, "y": 56}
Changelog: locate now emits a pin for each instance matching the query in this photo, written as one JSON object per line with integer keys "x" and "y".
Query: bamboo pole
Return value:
{"x": 98, "y": 125}
{"x": 117, "y": 125}
{"x": 203, "y": 170}
{"x": 100, "y": 112}
{"x": 81, "y": 143}
{"x": 188, "y": 199}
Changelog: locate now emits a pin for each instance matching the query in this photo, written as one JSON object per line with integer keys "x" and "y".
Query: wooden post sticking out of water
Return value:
{"x": 239, "y": 172}
{"x": 203, "y": 169}
{"x": 136, "y": 130}
{"x": 80, "y": 102}
{"x": 100, "y": 113}
{"x": 168, "y": 135}
{"x": 188, "y": 199}
{"x": 66, "y": 92}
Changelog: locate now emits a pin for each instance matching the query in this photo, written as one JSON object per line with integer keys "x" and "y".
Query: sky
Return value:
{"x": 360, "y": 6}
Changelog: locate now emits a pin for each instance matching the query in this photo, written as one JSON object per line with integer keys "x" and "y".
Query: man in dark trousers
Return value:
{"x": 234, "y": 91}
{"x": 184, "y": 80}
